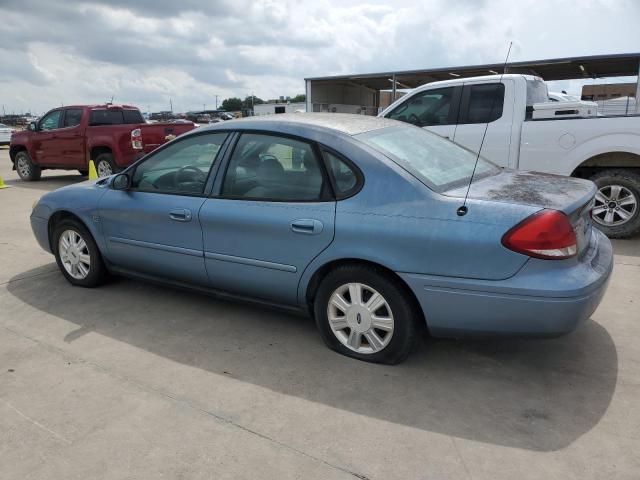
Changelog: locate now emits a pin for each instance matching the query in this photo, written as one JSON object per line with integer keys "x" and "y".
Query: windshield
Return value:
{"x": 436, "y": 162}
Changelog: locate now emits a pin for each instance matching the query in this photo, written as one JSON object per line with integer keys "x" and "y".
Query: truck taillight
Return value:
{"x": 136, "y": 139}
{"x": 547, "y": 234}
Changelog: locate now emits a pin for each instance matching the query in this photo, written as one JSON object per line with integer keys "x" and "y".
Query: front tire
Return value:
{"x": 26, "y": 169}
{"x": 77, "y": 254}
{"x": 617, "y": 206}
{"x": 364, "y": 313}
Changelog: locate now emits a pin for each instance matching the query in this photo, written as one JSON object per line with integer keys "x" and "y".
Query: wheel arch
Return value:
{"x": 319, "y": 273}
{"x": 96, "y": 150}
{"x": 607, "y": 160}
{"x": 14, "y": 149}
{"x": 60, "y": 215}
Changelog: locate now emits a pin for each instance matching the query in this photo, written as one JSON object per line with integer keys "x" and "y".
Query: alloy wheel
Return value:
{"x": 104, "y": 169}
{"x": 360, "y": 318}
{"x": 74, "y": 254}
{"x": 23, "y": 167}
{"x": 614, "y": 205}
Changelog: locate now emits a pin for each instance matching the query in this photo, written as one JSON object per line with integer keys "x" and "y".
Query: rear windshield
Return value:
{"x": 536, "y": 92}
{"x": 115, "y": 117}
{"x": 436, "y": 162}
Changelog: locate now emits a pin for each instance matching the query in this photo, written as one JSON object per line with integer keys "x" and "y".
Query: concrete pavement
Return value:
{"x": 134, "y": 380}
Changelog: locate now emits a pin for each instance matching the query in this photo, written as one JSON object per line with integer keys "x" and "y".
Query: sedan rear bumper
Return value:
{"x": 545, "y": 298}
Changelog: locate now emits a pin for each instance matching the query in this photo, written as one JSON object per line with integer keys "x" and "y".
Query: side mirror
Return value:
{"x": 32, "y": 126}
{"x": 122, "y": 181}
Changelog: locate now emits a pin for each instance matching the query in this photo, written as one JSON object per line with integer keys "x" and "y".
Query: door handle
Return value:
{"x": 307, "y": 225}
{"x": 180, "y": 215}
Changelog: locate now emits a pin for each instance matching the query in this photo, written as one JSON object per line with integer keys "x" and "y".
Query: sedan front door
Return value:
{"x": 273, "y": 215}
{"x": 153, "y": 227}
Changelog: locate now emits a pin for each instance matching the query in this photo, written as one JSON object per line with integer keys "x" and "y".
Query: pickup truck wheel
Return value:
{"x": 27, "y": 171}
{"x": 105, "y": 165}
{"x": 617, "y": 206}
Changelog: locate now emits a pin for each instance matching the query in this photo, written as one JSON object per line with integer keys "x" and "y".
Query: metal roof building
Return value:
{"x": 360, "y": 93}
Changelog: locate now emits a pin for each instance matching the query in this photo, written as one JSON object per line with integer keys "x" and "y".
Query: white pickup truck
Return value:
{"x": 605, "y": 149}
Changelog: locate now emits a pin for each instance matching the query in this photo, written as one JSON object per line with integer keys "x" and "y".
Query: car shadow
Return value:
{"x": 533, "y": 394}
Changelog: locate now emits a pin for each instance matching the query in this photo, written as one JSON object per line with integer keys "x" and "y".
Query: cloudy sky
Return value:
{"x": 146, "y": 52}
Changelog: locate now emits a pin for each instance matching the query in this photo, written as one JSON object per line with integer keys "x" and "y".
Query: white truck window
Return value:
{"x": 482, "y": 103}
{"x": 431, "y": 107}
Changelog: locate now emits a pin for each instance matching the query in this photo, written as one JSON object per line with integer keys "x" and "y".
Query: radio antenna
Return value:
{"x": 462, "y": 210}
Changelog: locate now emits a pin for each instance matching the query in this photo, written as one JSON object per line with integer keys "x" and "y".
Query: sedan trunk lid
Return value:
{"x": 572, "y": 196}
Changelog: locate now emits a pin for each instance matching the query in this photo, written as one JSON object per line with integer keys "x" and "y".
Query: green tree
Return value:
{"x": 233, "y": 104}
{"x": 300, "y": 98}
{"x": 250, "y": 101}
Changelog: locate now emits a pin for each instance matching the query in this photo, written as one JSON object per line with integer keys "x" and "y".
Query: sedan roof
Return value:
{"x": 349, "y": 124}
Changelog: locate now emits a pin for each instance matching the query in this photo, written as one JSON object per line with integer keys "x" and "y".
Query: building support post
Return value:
{"x": 637, "y": 110}
{"x": 393, "y": 96}
{"x": 307, "y": 93}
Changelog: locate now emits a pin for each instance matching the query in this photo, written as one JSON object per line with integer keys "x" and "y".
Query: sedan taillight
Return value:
{"x": 136, "y": 139}
{"x": 547, "y": 234}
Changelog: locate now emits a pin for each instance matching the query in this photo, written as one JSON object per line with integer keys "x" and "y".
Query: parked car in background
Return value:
{"x": 113, "y": 136}
{"x": 603, "y": 149}
{"x": 362, "y": 233}
{"x": 5, "y": 134}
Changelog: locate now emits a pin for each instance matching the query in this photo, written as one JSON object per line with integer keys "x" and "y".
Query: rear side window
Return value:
{"x": 273, "y": 168}
{"x": 431, "y": 107}
{"x": 72, "y": 117}
{"x": 345, "y": 179}
{"x": 482, "y": 103}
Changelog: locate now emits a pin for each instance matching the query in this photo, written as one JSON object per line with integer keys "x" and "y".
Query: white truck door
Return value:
{"x": 489, "y": 103}
{"x": 434, "y": 109}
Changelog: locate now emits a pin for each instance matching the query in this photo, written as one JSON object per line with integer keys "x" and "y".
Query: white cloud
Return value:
{"x": 150, "y": 51}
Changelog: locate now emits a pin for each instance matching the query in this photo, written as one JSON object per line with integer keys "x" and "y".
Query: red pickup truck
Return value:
{"x": 113, "y": 136}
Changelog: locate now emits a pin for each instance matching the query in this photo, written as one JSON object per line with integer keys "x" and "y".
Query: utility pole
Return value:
{"x": 170, "y": 105}
{"x": 216, "y": 101}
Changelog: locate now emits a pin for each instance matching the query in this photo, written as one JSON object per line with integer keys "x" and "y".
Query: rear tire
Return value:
{"x": 105, "y": 165}
{"x": 618, "y": 197}
{"x": 358, "y": 329}
{"x": 77, "y": 254}
{"x": 26, "y": 169}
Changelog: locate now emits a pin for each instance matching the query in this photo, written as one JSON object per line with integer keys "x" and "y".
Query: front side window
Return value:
{"x": 436, "y": 162}
{"x": 181, "y": 168}
{"x": 72, "y": 117}
{"x": 431, "y": 107}
{"x": 51, "y": 120}
{"x": 484, "y": 103}
{"x": 267, "y": 167}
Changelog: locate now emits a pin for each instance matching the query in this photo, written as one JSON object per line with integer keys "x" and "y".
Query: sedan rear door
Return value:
{"x": 272, "y": 215}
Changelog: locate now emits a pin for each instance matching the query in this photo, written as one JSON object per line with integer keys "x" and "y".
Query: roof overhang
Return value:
{"x": 595, "y": 66}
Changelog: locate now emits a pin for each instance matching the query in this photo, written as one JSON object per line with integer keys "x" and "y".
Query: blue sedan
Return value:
{"x": 354, "y": 220}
